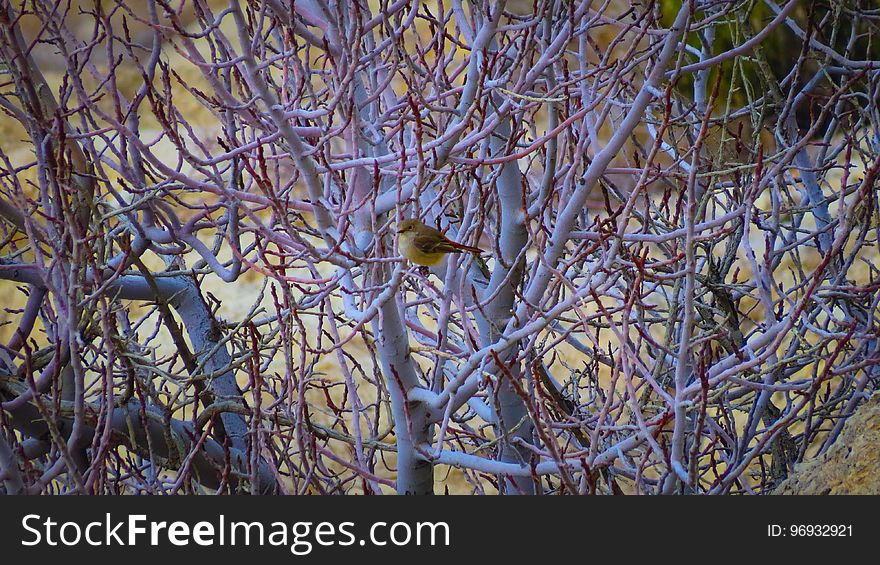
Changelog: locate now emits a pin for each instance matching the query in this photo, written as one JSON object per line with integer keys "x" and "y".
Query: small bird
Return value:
{"x": 426, "y": 246}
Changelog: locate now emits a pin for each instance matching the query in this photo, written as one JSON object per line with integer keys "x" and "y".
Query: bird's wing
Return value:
{"x": 428, "y": 243}
{"x": 435, "y": 242}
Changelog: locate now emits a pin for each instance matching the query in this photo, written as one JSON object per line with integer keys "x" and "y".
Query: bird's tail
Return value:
{"x": 468, "y": 248}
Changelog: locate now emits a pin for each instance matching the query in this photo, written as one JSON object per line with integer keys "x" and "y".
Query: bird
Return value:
{"x": 426, "y": 246}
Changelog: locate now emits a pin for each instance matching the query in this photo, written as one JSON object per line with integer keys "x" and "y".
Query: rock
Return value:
{"x": 850, "y": 466}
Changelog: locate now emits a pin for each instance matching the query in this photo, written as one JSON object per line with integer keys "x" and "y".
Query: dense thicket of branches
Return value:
{"x": 678, "y": 203}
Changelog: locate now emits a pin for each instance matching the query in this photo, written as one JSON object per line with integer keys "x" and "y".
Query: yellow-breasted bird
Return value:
{"x": 426, "y": 246}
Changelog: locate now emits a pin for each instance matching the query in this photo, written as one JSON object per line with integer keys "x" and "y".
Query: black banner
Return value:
{"x": 316, "y": 529}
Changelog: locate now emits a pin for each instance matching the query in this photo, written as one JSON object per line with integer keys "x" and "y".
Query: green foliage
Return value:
{"x": 828, "y": 21}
